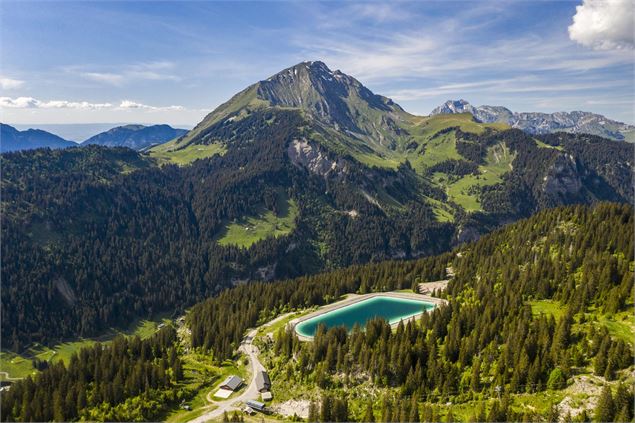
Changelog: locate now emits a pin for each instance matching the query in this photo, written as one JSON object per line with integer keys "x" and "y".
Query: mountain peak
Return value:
{"x": 453, "y": 106}
{"x": 330, "y": 99}
{"x": 543, "y": 123}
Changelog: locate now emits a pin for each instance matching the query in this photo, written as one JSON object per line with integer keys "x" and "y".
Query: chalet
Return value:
{"x": 263, "y": 383}
{"x": 255, "y": 405}
{"x": 231, "y": 383}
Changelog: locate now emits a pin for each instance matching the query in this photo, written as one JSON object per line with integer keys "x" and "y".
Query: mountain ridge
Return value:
{"x": 543, "y": 123}
{"x": 12, "y": 139}
{"x": 135, "y": 136}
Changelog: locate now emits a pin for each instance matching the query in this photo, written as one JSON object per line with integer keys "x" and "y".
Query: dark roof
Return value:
{"x": 262, "y": 380}
{"x": 232, "y": 382}
{"x": 256, "y": 405}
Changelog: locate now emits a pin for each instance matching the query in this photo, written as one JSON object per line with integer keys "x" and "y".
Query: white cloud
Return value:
{"x": 604, "y": 24}
{"x": 147, "y": 71}
{"x": 109, "y": 78}
{"x": 33, "y": 103}
{"x": 10, "y": 84}
{"x": 127, "y": 104}
{"x": 380, "y": 12}
{"x": 526, "y": 84}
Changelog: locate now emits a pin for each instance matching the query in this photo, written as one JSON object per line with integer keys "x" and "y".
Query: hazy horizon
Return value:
{"x": 79, "y": 132}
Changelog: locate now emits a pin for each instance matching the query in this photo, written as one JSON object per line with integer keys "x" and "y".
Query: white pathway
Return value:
{"x": 251, "y": 392}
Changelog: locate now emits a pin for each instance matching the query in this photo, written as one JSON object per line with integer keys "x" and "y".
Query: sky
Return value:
{"x": 174, "y": 62}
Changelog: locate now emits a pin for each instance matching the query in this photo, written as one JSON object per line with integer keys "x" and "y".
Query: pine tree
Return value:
{"x": 475, "y": 381}
{"x": 623, "y": 415}
{"x": 314, "y": 415}
{"x": 369, "y": 414}
{"x": 326, "y": 409}
{"x": 556, "y": 379}
{"x": 58, "y": 407}
{"x": 624, "y": 402}
{"x": 605, "y": 409}
{"x": 450, "y": 417}
{"x": 414, "y": 410}
{"x": 178, "y": 369}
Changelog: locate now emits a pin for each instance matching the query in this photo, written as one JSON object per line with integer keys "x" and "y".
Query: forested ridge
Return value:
{"x": 126, "y": 380}
{"x": 95, "y": 237}
{"x": 487, "y": 340}
{"x": 486, "y": 337}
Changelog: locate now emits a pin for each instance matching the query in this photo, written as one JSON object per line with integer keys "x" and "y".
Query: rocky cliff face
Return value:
{"x": 543, "y": 123}
{"x": 562, "y": 182}
{"x": 305, "y": 154}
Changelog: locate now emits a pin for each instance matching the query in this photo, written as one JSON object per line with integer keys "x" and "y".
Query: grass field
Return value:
{"x": 547, "y": 307}
{"x": 442, "y": 211}
{"x": 20, "y": 365}
{"x": 621, "y": 325}
{"x": 165, "y": 153}
{"x": 250, "y": 229}
{"x": 464, "y": 191}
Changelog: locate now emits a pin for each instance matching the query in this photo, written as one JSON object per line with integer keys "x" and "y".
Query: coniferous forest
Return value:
{"x": 96, "y": 237}
{"x": 486, "y": 343}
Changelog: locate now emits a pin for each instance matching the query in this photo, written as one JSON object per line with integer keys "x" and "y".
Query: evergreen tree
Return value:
{"x": 605, "y": 409}
{"x": 314, "y": 414}
{"x": 326, "y": 409}
{"x": 369, "y": 414}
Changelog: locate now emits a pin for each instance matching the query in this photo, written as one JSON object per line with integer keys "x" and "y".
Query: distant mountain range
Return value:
{"x": 136, "y": 137}
{"x": 576, "y": 122}
{"x": 11, "y": 139}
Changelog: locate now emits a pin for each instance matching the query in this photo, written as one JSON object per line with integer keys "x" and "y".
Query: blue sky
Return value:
{"x": 174, "y": 62}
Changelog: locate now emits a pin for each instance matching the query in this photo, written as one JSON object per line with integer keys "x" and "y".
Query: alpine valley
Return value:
{"x": 300, "y": 189}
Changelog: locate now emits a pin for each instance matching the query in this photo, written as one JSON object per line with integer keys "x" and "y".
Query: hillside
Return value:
{"x": 537, "y": 327}
{"x": 576, "y": 122}
{"x": 136, "y": 137}
{"x": 264, "y": 192}
{"x": 13, "y": 140}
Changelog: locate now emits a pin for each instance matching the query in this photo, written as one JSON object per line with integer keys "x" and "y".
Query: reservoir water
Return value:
{"x": 392, "y": 309}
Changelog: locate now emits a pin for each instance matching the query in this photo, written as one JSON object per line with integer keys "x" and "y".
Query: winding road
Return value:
{"x": 251, "y": 392}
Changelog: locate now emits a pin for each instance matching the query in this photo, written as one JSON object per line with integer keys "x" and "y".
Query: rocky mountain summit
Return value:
{"x": 576, "y": 122}
{"x": 329, "y": 99}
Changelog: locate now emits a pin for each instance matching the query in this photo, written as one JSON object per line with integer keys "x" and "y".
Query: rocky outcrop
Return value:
{"x": 562, "y": 180}
{"x": 66, "y": 291}
{"x": 304, "y": 154}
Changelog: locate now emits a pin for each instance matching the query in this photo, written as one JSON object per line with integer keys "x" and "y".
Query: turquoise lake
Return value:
{"x": 392, "y": 309}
